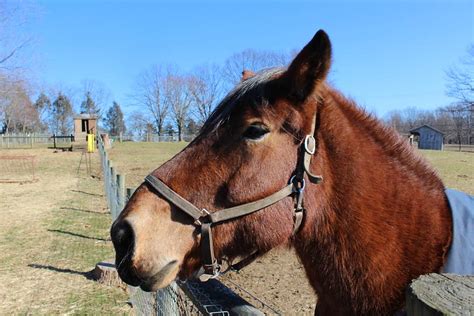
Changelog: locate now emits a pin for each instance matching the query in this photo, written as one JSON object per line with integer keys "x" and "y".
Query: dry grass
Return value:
{"x": 455, "y": 168}
{"x": 136, "y": 160}
{"x": 52, "y": 233}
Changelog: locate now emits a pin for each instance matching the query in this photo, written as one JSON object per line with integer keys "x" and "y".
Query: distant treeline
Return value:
{"x": 456, "y": 121}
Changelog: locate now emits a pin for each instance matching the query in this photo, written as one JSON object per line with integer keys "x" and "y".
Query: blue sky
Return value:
{"x": 387, "y": 54}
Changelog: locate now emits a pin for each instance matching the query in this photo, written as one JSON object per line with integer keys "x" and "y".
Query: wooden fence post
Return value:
{"x": 113, "y": 195}
{"x": 129, "y": 194}
{"x": 120, "y": 193}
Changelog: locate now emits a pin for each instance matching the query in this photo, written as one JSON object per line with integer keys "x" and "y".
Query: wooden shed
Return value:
{"x": 84, "y": 124}
{"x": 428, "y": 137}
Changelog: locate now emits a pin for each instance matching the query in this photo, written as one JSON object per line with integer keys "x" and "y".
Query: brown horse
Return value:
{"x": 379, "y": 218}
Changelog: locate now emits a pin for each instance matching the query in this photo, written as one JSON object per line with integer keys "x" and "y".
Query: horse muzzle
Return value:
{"x": 145, "y": 270}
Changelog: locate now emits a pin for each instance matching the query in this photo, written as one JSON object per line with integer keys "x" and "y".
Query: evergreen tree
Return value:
{"x": 61, "y": 115}
{"x": 43, "y": 107}
{"x": 169, "y": 129}
{"x": 192, "y": 128}
{"x": 114, "y": 121}
{"x": 88, "y": 106}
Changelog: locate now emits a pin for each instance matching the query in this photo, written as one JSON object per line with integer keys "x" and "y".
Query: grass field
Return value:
{"x": 52, "y": 233}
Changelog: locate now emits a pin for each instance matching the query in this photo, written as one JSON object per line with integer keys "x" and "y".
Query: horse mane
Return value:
{"x": 387, "y": 138}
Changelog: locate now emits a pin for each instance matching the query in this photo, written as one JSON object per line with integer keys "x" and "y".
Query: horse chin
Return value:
{"x": 162, "y": 278}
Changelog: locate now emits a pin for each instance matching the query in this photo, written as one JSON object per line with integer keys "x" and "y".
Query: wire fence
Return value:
{"x": 180, "y": 298}
{"x": 151, "y": 137}
{"x": 17, "y": 168}
{"x": 32, "y": 140}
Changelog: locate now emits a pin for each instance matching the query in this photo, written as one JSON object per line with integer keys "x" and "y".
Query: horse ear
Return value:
{"x": 246, "y": 74}
{"x": 310, "y": 66}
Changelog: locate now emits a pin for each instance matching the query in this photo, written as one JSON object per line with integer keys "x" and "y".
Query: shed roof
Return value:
{"x": 85, "y": 116}
{"x": 415, "y": 130}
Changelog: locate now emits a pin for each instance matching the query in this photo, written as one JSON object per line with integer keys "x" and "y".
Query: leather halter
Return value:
{"x": 203, "y": 219}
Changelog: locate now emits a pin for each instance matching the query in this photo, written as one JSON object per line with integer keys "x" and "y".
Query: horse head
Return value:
{"x": 247, "y": 150}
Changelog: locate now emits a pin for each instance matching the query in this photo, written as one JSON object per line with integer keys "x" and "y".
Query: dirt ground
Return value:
{"x": 278, "y": 280}
{"x": 52, "y": 233}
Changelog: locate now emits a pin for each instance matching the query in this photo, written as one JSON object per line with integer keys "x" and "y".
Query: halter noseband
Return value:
{"x": 211, "y": 267}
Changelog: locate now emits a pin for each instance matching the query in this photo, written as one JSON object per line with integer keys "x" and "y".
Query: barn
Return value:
{"x": 428, "y": 137}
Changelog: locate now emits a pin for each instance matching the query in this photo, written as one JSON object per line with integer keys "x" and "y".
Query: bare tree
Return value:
{"x": 460, "y": 114}
{"x": 206, "y": 90}
{"x": 461, "y": 79}
{"x": 149, "y": 93}
{"x": 95, "y": 97}
{"x": 14, "y": 39}
{"x": 177, "y": 95}
{"x": 460, "y": 86}
{"x": 138, "y": 123}
{"x": 17, "y": 112}
{"x": 251, "y": 59}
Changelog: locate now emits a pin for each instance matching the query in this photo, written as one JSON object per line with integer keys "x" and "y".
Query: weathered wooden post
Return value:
{"x": 129, "y": 194}
{"x": 113, "y": 196}
{"x": 441, "y": 294}
{"x": 120, "y": 193}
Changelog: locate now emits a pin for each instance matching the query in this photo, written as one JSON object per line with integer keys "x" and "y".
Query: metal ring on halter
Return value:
{"x": 313, "y": 143}
{"x": 303, "y": 184}
{"x": 204, "y": 213}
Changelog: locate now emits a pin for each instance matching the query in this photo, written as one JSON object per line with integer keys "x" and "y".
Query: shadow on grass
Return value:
{"x": 87, "y": 193}
{"x": 88, "y": 275}
{"x": 77, "y": 235}
{"x": 82, "y": 210}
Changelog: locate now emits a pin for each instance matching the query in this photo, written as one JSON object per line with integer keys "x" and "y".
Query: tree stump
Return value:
{"x": 106, "y": 273}
{"x": 441, "y": 294}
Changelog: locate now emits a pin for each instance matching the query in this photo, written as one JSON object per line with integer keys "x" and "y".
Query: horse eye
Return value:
{"x": 255, "y": 132}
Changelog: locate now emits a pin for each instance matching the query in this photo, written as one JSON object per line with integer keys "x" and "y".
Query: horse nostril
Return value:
{"x": 122, "y": 237}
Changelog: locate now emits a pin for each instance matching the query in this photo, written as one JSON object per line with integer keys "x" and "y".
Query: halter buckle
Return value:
{"x": 210, "y": 271}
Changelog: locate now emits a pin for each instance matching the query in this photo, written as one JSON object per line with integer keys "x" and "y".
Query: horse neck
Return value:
{"x": 366, "y": 198}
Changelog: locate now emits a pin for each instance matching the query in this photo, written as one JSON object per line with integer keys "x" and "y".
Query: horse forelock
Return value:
{"x": 251, "y": 88}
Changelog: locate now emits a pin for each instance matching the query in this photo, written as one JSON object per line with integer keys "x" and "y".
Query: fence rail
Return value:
{"x": 457, "y": 147}
{"x": 153, "y": 138}
{"x": 190, "y": 298}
